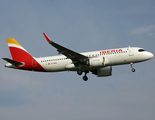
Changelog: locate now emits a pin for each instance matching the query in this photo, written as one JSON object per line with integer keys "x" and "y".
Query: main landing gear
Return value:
{"x": 79, "y": 72}
{"x": 132, "y": 67}
{"x": 85, "y": 78}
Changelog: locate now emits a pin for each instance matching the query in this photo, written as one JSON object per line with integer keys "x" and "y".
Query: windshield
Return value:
{"x": 141, "y": 50}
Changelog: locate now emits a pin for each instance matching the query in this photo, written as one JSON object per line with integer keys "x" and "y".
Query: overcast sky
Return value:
{"x": 81, "y": 25}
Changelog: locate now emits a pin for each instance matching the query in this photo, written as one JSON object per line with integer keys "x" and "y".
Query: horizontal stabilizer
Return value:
{"x": 13, "y": 62}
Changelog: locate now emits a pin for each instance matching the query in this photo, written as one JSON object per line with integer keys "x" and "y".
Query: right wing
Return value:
{"x": 77, "y": 58}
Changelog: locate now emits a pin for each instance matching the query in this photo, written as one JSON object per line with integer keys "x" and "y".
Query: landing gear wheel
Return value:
{"x": 133, "y": 70}
{"x": 85, "y": 78}
{"x": 132, "y": 67}
{"x": 79, "y": 72}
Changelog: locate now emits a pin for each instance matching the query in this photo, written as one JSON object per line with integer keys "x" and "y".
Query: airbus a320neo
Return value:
{"x": 98, "y": 62}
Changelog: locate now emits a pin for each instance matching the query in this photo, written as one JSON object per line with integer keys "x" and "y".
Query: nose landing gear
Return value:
{"x": 132, "y": 67}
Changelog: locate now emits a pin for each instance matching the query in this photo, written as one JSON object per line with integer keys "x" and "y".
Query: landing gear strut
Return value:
{"x": 132, "y": 67}
{"x": 85, "y": 78}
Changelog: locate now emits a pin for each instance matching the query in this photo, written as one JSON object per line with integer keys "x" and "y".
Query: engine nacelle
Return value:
{"x": 97, "y": 62}
{"x": 103, "y": 72}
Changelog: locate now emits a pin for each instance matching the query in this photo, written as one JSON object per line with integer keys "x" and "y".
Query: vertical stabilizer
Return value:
{"x": 20, "y": 55}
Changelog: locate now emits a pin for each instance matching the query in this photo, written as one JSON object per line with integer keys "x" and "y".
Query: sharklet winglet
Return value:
{"x": 47, "y": 38}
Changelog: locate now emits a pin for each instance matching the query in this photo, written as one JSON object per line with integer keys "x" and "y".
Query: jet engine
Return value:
{"x": 103, "y": 72}
{"x": 97, "y": 61}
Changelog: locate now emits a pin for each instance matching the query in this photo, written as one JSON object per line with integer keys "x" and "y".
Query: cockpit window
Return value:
{"x": 141, "y": 50}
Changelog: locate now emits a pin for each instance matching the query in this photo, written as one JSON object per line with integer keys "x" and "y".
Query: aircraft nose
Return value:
{"x": 149, "y": 55}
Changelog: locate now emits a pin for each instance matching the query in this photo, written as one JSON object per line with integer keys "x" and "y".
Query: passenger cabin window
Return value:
{"x": 141, "y": 50}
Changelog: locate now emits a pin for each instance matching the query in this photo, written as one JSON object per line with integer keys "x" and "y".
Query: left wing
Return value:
{"x": 77, "y": 58}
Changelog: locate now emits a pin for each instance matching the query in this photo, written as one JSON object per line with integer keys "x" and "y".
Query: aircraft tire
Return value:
{"x": 85, "y": 78}
{"x": 79, "y": 72}
{"x": 133, "y": 70}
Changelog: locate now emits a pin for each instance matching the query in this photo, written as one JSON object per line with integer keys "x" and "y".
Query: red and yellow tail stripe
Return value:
{"x": 13, "y": 43}
{"x": 21, "y": 55}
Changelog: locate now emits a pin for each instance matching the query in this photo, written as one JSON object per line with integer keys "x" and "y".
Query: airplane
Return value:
{"x": 98, "y": 62}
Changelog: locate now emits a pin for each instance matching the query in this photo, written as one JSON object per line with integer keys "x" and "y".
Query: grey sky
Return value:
{"x": 81, "y": 26}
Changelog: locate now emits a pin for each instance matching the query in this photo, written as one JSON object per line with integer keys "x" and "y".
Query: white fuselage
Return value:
{"x": 112, "y": 57}
{"x": 98, "y": 62}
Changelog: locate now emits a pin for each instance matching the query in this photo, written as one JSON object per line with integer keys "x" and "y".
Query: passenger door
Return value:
{"x": 131, "y": 52}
